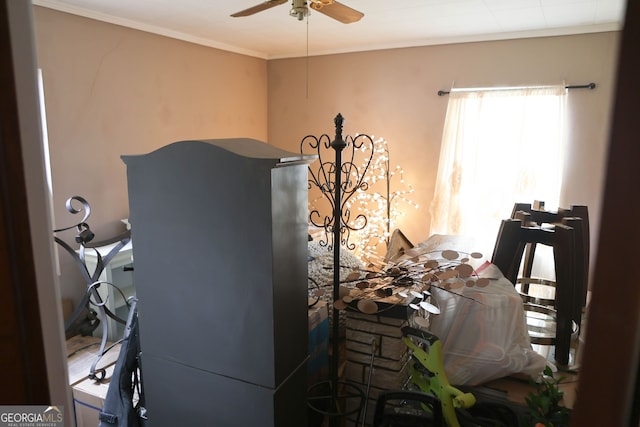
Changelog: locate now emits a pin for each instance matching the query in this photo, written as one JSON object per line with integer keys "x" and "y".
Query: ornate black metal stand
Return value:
{"x": 338, "y": 181}
{"x": 91, "y": 297}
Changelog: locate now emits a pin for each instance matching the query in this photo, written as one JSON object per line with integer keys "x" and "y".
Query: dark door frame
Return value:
{"x": 606, "y": 391}
{"x": 32, "y": 353}
{"x": 23, "y": 368}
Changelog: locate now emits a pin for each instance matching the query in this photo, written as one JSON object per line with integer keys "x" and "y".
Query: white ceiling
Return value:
{"x": 386, "y": 23}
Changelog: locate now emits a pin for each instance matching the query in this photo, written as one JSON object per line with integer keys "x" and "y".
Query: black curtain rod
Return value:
{"x": 587, "y": 86}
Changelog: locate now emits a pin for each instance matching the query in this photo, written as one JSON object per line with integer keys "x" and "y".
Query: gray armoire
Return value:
{"x": 219, "y": 233}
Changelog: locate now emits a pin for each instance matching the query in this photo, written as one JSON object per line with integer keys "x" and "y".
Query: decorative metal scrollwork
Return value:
{"x": 349, "y": 181}
{"x": 76, "y": 322}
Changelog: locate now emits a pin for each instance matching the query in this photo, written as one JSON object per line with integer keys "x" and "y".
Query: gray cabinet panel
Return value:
{"x": 220, "y": 230}
{"x": 215, "y": 400}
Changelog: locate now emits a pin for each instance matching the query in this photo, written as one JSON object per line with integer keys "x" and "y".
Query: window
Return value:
{"x": 499, "y": 147}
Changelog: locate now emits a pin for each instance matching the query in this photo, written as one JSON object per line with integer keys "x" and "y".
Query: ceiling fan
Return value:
{"x": 300, "y": 9}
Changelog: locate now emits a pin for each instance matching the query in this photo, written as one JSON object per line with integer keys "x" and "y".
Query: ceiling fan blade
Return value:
{"x": 337, "y": 11}
{"x": 259, "y": 8}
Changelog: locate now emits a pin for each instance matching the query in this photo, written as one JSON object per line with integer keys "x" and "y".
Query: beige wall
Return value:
{"x": 112, "y": 91}
{"x": 393, "y": 94}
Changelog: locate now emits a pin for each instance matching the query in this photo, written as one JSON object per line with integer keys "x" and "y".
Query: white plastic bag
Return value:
{"x": 484, "y": 335}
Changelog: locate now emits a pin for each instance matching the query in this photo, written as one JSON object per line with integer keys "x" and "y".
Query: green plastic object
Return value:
{"x": 428, "y": 374}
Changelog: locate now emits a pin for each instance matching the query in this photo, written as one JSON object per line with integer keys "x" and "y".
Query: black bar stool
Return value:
{"x": 568, "y": 249}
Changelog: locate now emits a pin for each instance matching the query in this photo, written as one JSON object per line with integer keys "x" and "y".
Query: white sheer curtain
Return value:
{"x": 498, "y": 147}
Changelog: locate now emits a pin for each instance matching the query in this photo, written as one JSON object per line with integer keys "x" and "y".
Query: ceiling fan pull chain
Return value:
{"x": 307, "y": 59}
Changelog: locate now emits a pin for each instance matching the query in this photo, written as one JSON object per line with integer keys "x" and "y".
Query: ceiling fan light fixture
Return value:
{"x": 300, "y": 9}
{"x": 299, "y": 12}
